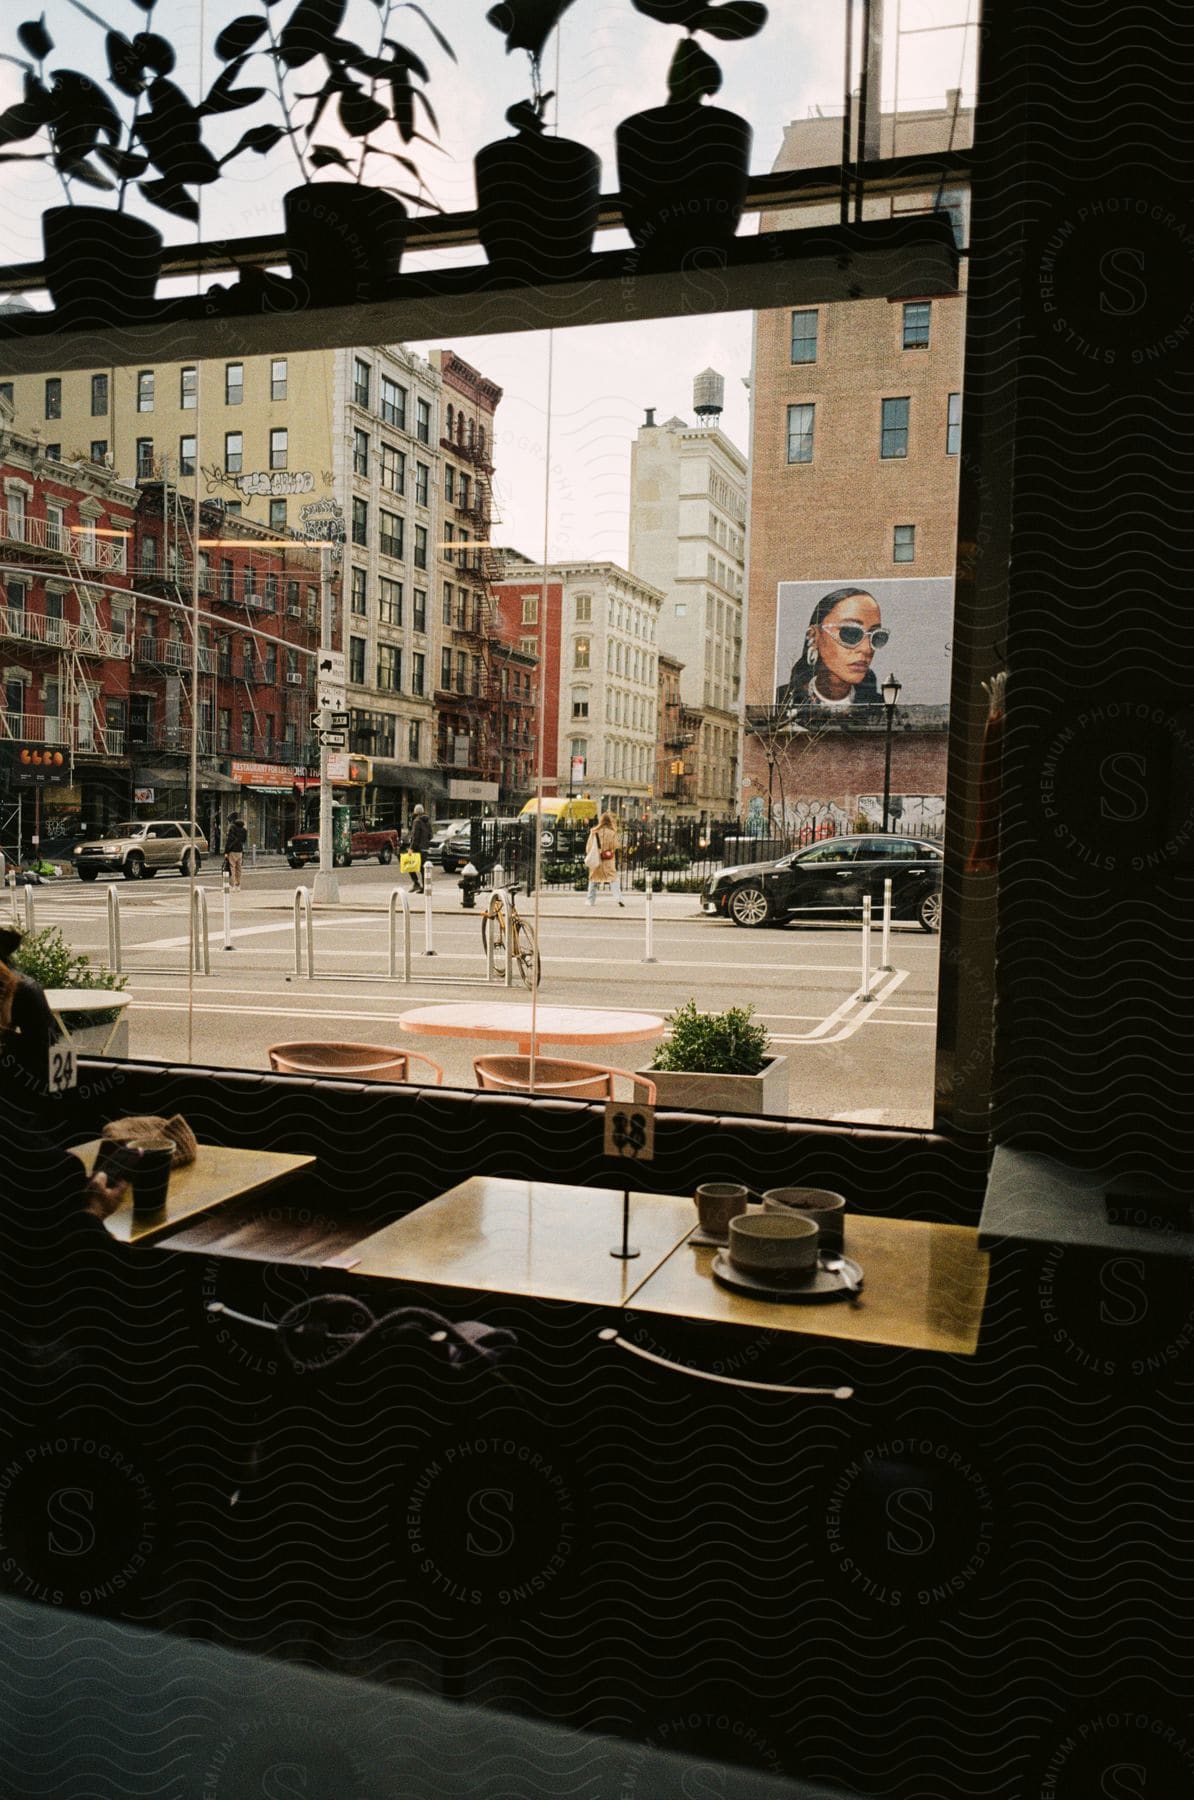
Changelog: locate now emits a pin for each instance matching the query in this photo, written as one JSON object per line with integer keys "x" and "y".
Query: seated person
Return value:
{"x": 27, "y": 1029}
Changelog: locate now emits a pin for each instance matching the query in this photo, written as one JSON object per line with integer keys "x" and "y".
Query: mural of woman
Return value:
{"x": 834, "y": 666}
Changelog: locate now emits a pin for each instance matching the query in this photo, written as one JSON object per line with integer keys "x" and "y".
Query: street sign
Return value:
{"x": 316, "y": 721}
{"x": 339, "y": 721}
{"x": 330, "y": 666}
{"x": 333, "y": 740}
{"x": 329, "y": 696}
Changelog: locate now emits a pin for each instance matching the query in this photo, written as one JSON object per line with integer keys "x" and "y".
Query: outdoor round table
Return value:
{"x": 62, "y": 1002}
{"x": 553, "y": 1024}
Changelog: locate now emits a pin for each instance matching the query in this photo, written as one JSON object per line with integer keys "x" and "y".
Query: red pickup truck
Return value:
{"x": 367, "y": 840}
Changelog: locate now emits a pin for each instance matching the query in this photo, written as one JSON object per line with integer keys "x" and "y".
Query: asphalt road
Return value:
{"x": 848, "y": 1058}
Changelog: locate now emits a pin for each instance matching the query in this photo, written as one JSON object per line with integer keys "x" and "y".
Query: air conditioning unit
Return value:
{"x": 294, "y": 612}
{"x": 295, "y": 680}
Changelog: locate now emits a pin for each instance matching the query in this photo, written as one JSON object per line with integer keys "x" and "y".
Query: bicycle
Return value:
{"x": 514, "y": 930}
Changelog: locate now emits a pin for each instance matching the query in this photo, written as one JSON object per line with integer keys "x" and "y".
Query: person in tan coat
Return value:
{"x": 601, "y": 860}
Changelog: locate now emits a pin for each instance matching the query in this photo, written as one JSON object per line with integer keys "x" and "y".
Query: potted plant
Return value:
{"x": 683, "y": 167}
{"x": 537, "y": 196}
{"x": 49, "y": 959}
{"x": 103, "y": 261}
{"x": 345, "y": 237}
{"x": 718, "y": 1062}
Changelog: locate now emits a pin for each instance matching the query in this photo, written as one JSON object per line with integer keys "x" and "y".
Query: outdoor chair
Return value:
{"x": 358, "y": 1062}
{"x": 558, "y": 1078}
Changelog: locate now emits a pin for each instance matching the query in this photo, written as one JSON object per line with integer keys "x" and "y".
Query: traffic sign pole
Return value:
{"x": 325, "y": 887}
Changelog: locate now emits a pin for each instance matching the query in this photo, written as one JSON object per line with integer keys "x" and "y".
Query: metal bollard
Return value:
{"x": 428, "y": 934}
{"x": 302, "y": 904}
{"x": 253, "y": 857}
{"x": 201, "y": 930}
{"x": 864, "y": 992}
{"x": 226, "y": 896}
{"x": 885, "y": 965}
{"x": 115, "y": 953}
{"x": 398, "y": 900}
{"x": 649, "y": 946}
{"x": 29, "y": 925}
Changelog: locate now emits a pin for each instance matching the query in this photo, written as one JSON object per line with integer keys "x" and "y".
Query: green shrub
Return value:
{"x": 49, "y": 959}
{"x": 675, "y": 884}
{"x": 727, "y": 1043}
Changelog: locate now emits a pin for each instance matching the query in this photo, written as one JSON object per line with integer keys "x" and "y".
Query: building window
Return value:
{"x": 232, "y": 509}
{"x": 358, "y": 602}
{"x": 360, "y": 521}
{"x": 529, "y": 646}
{"x": 530, "y": 609}
{"x": 389, "y": 601}
{"x": 389, "y": 668}
{"x": 391, "y": 534}
{"x": 800, "y": 433}
{"x": 53, "y": 452}
{"x": 356, "y": 660}
{"x": 414, "y": 741}
{"x": 893, "y": 437}
{"x": 903, "y": 548}
{"x": 953, "y": 425}
{"x": 186, "y": 456}
{"x": 804, "y": 336}
{"x": 419, "y": 621}
{"x": 227, "y": 577}
{"x": 580, "y": 653}
{"x": 461, "y": 672}
{"x": 277, "y": 378}
{"x": 234, "y": 383}
{"x": 360, "y": 453}
{"x": 234, "y": 452}
{"x": 449, "y": 471}
{"x": 420, "y": 546}
{"x": 449, "y": 540}
{"x": 584, "y": 608}
{"x": 423, "y": 421}
{"x": 144, "y": 458}
{"x": 580, "y": 703}
{"x": 447, "y": 606}
{"x": 360, "y": 382}
{"x": 99, "y": 450}
{"x": 445, "y": 668}
{"x": 277, "y": 515}
{"x": 188, "y": 389}
{"x": 418, "y": 676}
{"x": 144, "y": 390}
{"x": 278, "y": 441}
{"x": 917, "y": 314}
{"x": 393, "y": 469}
{"x": 465, "y": 490}
{"x": 393, "y": 403}
{"x": 422, "y": 483}
{"x": 99, "y": 396}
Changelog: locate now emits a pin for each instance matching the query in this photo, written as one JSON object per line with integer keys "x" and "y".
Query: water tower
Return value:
{"x": 709, "y": 396}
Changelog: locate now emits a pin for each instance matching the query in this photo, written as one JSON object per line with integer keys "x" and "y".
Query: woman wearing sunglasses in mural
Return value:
{"x": 834, "y": 666}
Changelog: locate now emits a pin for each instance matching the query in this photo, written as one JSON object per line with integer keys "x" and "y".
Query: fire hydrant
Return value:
{"x": 469, "y": 883}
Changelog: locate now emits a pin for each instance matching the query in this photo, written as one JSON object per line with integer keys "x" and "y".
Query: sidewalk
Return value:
{"x": 553, "y": 903}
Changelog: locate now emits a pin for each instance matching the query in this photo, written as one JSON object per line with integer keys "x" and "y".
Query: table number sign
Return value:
{"x": 629, "y": 1131}
{"x": 62, "y": 1073}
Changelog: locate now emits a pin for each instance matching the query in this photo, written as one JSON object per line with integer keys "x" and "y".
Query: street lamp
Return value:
{"x": 891, "y": 693}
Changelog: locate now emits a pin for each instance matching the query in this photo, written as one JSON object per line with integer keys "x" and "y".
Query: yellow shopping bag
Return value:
{"x": 410, "y": 862}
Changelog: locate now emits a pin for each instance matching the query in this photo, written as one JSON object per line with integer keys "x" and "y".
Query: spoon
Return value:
{"x": 835, "y": 1265}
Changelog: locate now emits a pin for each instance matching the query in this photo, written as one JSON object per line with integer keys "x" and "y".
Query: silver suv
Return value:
{"x": 139, "y": 848}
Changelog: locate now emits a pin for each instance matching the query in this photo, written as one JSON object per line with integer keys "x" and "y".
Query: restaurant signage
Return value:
{"x": 265, "y": 774}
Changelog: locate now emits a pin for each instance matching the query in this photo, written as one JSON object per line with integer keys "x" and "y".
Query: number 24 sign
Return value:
{"x": 63, "y": 1071}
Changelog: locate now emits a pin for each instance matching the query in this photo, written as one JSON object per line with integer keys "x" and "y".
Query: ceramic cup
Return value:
{"x": 775, "y": 1247}
{"x": 151, "y": 1176}
{"x": 827, "y": 1210}
{"x": 717, "y": 1203}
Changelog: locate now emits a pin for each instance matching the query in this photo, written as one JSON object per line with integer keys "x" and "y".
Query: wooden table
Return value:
{"x": 924, "y": 1290}
{"x": 217, "y": 1176}
{"x": 508, "y": 1019}
{"x": 62, "y": 1002}
{"x": 533, "y": 1238}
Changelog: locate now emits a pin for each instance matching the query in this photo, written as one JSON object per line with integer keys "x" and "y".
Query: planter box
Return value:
{"x": 89, "y": 1040}
{"x": 766, "y": 1092}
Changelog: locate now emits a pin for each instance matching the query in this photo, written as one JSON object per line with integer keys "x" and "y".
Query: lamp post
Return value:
{"x": 891, "y": 693}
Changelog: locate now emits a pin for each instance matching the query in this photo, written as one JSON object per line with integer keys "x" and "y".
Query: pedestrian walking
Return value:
{"x": 420, "y": 838}
{"x": 234, "y": 850}
{"x": 601, "y": 860}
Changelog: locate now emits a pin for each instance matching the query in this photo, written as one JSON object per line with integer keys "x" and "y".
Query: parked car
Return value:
{"x": 830, "y": 880}
{"x": 139, "y": 848}
{"x": 365, "y": 841}
{"x": 508, "y": 837}
{"x": 441, "y": 831}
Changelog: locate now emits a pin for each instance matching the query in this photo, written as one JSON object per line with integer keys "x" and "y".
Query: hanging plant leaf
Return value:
{"x": 360, "y": 115}
{"x": 79, "y": 104}
{"x": 80, "y": 170}
{"x": 326, "y": 156}
{"x": 240, "y": 36}
{"x": 310, "y": 31}
{"x": 172, "y": 199}
{"x": 124, "y": 163}
{"x": 693, "y": 73}
{"x": 736, "y": 19}
{"x": 34, "y": 37}
{"x": 124, "y": 65}
{"x": 682, "y": 13}
{"x": 223, "y": 97}
{"x": 262, "y": 139}
{"x": 425, "y": 103}
{"x": 19, "y": 122}
{"x": 394, "y": 156}
{"x": 527, "y": 23}
{"x": 559, "y": 5}
{"x": 406, "y": 59}
{"x": 155, "y": 52}
{"x": 402, "y": 95}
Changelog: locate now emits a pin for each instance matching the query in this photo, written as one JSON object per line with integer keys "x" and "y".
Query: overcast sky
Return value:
{"x": 612, "y": 60}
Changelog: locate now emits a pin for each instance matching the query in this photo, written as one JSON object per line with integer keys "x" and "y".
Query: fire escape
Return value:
{"x": 473, "y": 695}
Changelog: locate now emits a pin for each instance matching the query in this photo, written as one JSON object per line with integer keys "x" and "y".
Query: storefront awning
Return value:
{"x": 409, "y": 775}
{"x": 158, "y": 775}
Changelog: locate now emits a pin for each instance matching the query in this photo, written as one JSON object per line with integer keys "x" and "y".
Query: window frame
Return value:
{"x": 916, "y": 325}
{"x": 801, "y": 437}
{"x": 813, "y": 337}
{"x": 234, "y": 391}
{"x": 890, "y": 435}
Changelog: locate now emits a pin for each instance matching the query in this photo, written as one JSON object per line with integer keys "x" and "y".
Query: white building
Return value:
{"x": 688, "y": 490}
{"x": 609, "y": 621}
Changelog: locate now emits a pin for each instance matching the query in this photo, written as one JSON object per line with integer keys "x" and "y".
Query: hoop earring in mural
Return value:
{"x": 810, "y": 653}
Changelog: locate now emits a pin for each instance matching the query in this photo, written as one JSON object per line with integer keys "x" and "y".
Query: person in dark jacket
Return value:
{"x": 234, "y": 849}
{"x": 27, "y": 1029}
{"x": 420, "y": 838}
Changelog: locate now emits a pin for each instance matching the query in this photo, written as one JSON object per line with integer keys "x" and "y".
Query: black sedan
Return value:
{"x": 830, "y": 880}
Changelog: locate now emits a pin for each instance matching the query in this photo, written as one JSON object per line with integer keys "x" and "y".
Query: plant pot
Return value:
{"x": 683, "y": 170}
{"x": 100, "y": 265}
{"x": 90, "y": 1040}
{"x": 537, "y": 204}
{"x": 345, "y": 242}
{"x": 764, "y": 1093}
